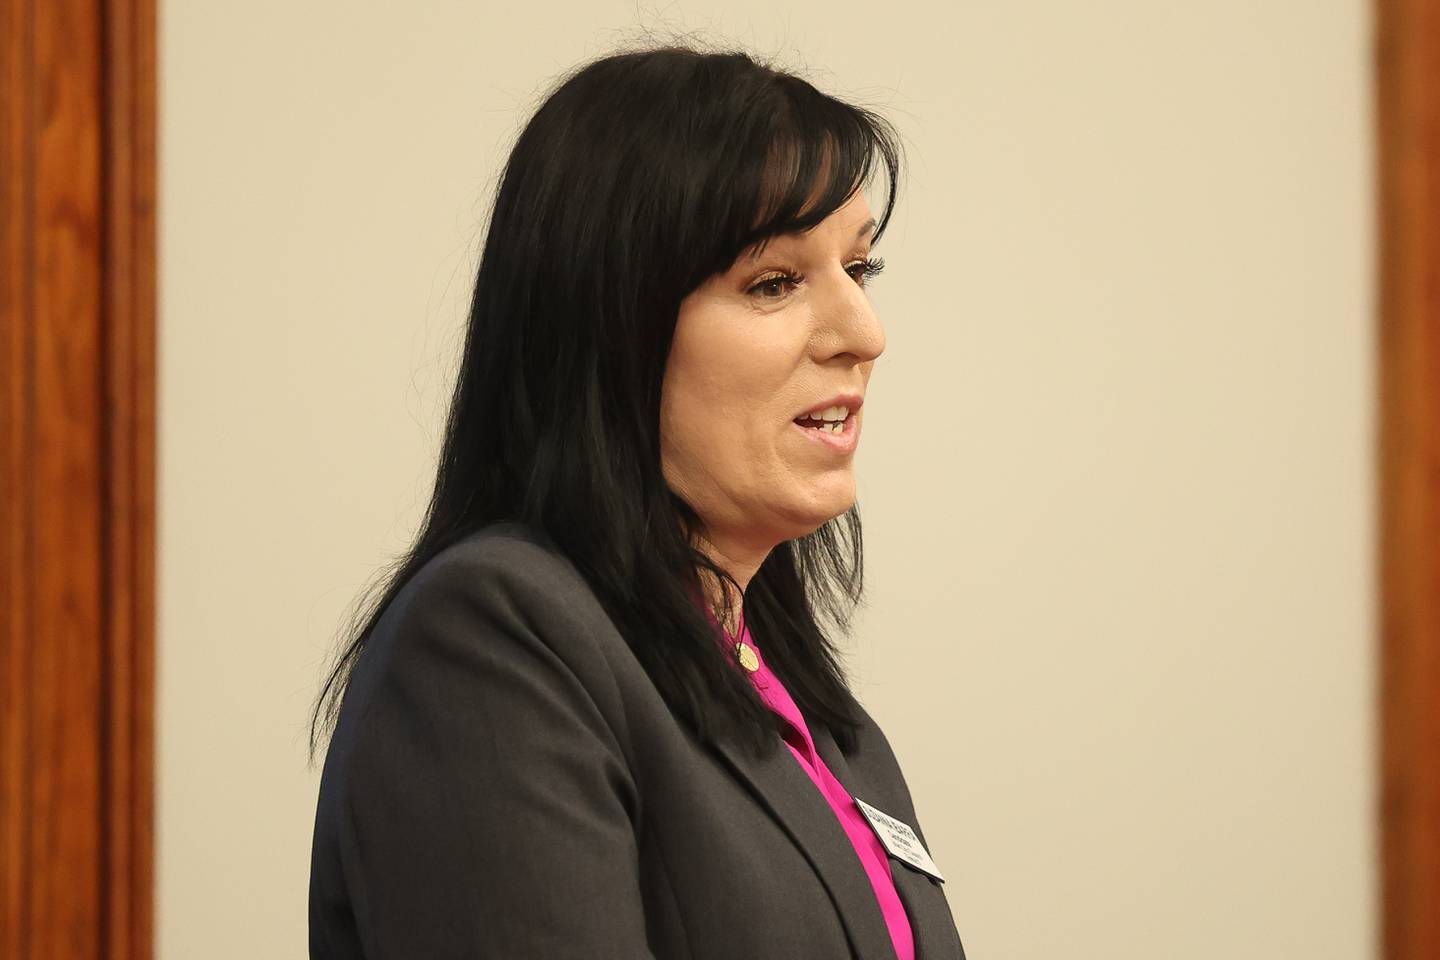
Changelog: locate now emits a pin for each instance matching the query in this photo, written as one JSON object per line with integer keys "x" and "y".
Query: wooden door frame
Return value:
{"x": 77, "y": 477}
{"x": 1407, "y": 47}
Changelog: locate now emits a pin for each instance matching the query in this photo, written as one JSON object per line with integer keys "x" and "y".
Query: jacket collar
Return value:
{"x": 931, "y": 922}
{"x": 789, "y": 795}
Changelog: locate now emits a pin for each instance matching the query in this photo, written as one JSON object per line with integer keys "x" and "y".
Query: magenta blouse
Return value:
{"x": 867, "y": 846}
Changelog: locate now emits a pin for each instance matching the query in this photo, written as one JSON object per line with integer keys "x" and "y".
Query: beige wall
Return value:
{"x": 1116, "y": 472}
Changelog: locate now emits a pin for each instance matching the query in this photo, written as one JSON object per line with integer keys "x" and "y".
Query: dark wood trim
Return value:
{"x": 1408, "y": 85}
{"x": 14, "y": 612}
{"x": 77, "y": 477}
{"x": 131, "y": 352}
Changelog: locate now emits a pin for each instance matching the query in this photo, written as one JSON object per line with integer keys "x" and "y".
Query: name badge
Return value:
{"x": 899, "y": 840}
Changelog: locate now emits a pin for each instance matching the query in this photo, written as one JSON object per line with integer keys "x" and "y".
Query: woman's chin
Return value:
{"x": 816, "y": 512}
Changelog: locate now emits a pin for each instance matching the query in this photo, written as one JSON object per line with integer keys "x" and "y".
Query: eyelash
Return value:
{"x": 869, "y": 268}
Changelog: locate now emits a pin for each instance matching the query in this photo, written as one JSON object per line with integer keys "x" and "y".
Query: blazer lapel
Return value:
{"x": 931, "y": 922}
{"x": 787, "y": 792}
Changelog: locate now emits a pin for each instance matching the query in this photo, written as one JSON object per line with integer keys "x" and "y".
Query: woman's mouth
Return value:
{"x": 838, "y": 435}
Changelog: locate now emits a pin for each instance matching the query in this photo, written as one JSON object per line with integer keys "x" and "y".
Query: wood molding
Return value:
{"x": 77, "y": 477}
{"x": 1408, "y": 108}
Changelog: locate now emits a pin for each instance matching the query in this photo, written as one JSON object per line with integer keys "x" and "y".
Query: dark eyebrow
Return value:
{"x": 864, "y": 228}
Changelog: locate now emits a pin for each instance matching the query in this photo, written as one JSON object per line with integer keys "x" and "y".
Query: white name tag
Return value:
{"x": 899, "y": 840}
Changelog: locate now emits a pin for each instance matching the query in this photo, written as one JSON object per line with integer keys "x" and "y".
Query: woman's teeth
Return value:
{"x": 831, "y": 419}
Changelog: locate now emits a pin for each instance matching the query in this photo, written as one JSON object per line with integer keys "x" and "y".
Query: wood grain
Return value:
{"x": 77, "y": 283}
{"x": 1408, "y": 85}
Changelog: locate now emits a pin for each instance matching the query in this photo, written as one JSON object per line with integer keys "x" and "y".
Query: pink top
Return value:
{"x": 867, "y": 845}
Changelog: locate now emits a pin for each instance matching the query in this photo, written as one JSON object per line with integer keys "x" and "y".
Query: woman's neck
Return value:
{"x": 740, "y": 560}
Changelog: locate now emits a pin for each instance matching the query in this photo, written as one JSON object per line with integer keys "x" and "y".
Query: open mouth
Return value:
{"x": 828, "y": 426}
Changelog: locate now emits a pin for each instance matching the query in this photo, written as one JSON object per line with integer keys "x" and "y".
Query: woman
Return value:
{"x": 595, "y": 712}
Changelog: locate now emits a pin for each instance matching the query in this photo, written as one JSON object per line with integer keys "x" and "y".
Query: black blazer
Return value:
{"x": 505, "y": 781}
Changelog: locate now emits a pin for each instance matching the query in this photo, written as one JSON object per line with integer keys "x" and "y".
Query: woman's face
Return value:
{"x": 769, "y": 340}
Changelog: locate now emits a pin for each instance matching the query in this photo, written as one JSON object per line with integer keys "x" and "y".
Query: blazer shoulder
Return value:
{"x": 487, "y": 724}
{"x": 489, "y": 591}
{"x": 511, "y": 568}
{"x": 514, "y": 553}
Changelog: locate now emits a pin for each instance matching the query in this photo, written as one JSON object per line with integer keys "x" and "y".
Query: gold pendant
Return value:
{"x": 748, "y": 660}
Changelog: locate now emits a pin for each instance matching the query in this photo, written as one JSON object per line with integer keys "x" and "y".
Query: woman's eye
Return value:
{"x": 769, "y": 285}
{"x": 868, "y": 268}
{"x": 770, "y": 288}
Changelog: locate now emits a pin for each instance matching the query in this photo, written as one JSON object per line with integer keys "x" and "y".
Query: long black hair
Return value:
{"x": 642, "y": 174}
